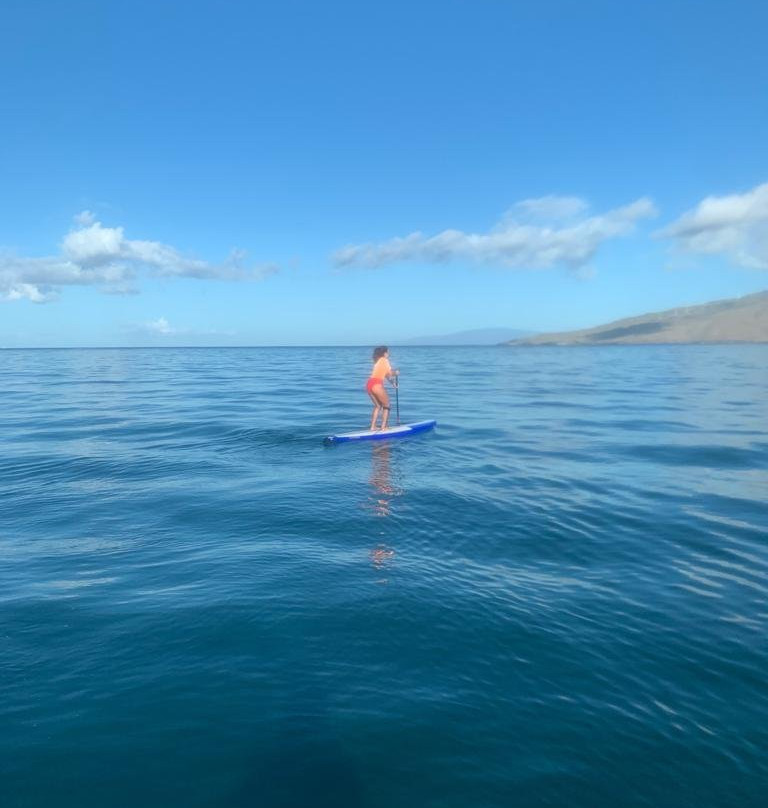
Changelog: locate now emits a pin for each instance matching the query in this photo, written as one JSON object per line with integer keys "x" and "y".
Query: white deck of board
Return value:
{"x": 403, "y": 429}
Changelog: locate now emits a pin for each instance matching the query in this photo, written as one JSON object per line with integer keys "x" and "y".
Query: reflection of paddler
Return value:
{"x": 381, "y": 477}
{"x": 381, "y": 481}
{"x": 375, "y": 385}
{"x": 381, "y": 472}
{"x": 380, "y": 555}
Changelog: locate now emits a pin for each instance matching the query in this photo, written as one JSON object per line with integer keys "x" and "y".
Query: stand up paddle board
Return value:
{"x": 381, "y": 434}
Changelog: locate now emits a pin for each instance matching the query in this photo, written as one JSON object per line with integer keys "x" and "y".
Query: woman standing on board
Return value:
{"x": 375, "y": 385}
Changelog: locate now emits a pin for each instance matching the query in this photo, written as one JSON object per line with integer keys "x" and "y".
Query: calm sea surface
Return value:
{"x": 558, "y": 598}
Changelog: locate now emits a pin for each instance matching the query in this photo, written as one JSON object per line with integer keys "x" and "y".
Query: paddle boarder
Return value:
{"x": 375, "y": 385}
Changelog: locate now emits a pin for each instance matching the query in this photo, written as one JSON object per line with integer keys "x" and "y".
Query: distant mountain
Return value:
{"x": 478, "y": 336}
{"x": 742, "y": 319}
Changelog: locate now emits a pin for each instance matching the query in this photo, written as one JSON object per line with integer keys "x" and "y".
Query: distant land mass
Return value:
{"x": 742, "y": 319}
{"x": 477, "y": 336}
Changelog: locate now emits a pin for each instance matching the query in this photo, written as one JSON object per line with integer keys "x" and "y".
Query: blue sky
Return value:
{"x": 216, "y": 173}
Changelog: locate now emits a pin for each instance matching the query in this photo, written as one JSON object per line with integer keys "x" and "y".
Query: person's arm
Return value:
{"x": 392, "y": 374}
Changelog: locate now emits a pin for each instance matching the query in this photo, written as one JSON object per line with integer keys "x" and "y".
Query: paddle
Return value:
{"x": 397, "y": 398}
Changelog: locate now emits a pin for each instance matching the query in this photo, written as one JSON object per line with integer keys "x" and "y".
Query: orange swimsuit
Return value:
{"x": 381, "y": 370}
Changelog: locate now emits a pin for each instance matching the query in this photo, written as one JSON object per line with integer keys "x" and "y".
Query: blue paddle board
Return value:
{"x": 381, "y": 434}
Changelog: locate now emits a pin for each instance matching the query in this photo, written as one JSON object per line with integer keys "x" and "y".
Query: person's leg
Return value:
{"x": 381, "y": 400}
{"x": 375, "y": 413}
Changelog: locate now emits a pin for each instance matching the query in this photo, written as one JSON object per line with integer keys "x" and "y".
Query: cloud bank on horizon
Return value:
{"x": 161, "y": 327}
{"x": 734, "y": 226}
{"x": 158, "y": 326}
{"x": 534, "y": 234}
{"x": 94, "y": 255}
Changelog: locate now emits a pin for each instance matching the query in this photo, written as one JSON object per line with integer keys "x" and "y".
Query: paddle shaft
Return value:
{"x": 397, "y": 398}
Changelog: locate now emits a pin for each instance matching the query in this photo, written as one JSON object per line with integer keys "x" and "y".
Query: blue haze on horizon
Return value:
{"x": 201, "y": 173}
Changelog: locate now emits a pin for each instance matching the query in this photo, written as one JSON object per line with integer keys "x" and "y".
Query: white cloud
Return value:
{"x": 570, "y": 239}
{"x": 159, "y": 326}
{"x": 94, "y": 255}
{"x": 735, "y": 226}
{"x": 85, "y": 218}
{"x": 551, "y": 208}
{"x": 25, "y": 291}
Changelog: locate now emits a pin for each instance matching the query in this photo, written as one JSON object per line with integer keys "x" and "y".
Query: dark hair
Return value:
{"x": 379, "y": 351}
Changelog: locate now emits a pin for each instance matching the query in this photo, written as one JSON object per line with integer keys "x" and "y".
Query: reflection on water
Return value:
{"x": 381, "y": 479}
{"x": 383, "y": 493}
{"x": 381, "y": 555}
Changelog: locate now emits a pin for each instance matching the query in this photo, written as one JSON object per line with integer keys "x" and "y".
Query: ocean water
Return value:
{"x": 557, "y": 598}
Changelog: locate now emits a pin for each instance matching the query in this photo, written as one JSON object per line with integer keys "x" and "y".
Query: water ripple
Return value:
{"x": 559, "y": 597}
